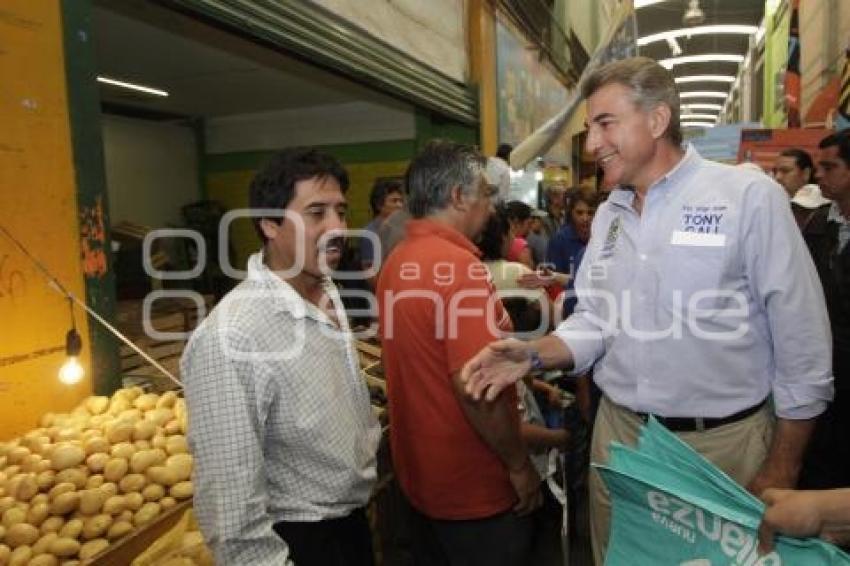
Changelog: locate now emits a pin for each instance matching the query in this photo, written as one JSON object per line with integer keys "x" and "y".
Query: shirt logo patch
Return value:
{"x": 611, "y": 239}
{"x": 702, "y": 219}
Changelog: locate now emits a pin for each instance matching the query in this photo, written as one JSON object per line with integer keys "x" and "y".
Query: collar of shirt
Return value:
{"x": 624, "y": 196}
{"x": 286, "y": 298}
{"x": 834, "y": 215}
{"x": 423, "y": 227}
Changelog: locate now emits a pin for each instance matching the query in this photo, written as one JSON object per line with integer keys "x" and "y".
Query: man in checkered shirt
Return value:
{"x": 282, "y": 430}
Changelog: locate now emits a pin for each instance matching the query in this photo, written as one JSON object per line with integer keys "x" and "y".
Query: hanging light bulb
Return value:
{"x": 71, "y": 371}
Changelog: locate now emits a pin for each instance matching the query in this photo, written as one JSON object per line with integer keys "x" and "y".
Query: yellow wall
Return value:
{"x": 38, "y": 205}
{"x": 231, "y": 189}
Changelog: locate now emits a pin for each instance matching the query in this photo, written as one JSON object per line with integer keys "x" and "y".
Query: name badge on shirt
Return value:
{"x": 703, "y": 219}
{"x": 682, "y": 238}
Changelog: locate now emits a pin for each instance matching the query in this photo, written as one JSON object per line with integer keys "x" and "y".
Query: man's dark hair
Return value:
{"x": 274, "y": 184}
{"x": 381, "y": 189}
{"x": 840, "y": 139}
{"x": 493, "y": 236}
{"x": 517, "y": 211}
{"x": 504, "y": 151}
{"x": 440, "y": 167}
{"x": 802, "y": 160}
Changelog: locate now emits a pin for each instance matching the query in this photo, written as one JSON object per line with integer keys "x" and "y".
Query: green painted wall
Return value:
{"x": 775, "y": 60}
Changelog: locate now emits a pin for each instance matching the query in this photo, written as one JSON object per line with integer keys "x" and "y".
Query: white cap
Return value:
{"x": 809, "y": 196}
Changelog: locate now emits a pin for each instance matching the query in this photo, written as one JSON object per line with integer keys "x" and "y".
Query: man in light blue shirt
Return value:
{"x": 697, "y": 300}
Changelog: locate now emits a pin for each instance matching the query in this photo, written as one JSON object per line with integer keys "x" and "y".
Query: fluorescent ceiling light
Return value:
{"x": 644, "y": 3}
{"x": 697, "y": 117}
{"x": 703, "y": 94}
{"x": 698, "y": 124}
{"x": 131, "y": 86}
{"x": 698, "y": 30}
{"x": 702, "y": 106}
{"x": 706, "y": 58}
{"x": 705, "y": 79}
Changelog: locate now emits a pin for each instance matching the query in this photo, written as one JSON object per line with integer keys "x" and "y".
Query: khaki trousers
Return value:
{"x": 738, "y": 449}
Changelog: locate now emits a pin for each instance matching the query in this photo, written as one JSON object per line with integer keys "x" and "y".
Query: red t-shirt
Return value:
{"x": 432, "y": 295}
{"x": 518, "y": 245}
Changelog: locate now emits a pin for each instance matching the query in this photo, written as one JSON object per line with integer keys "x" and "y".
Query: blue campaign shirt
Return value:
{"x": 705, "y": 303}
{"x": 565, "y": 253}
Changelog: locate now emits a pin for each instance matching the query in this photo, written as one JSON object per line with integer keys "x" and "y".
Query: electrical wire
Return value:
{"x": 72, "y": 299}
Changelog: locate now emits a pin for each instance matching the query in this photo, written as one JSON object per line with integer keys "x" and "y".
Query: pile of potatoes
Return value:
{"x": 87, "y": 478}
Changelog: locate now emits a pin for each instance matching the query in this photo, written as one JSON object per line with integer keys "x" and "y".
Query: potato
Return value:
{"x": 43, "y": 560}
{"x": 64, "y": 547}
{"x": 12, "y": 471}
{"x": 140, "y": 445}
{"x": 115, "y": 469}
{"x": 162, "y": 475}
{"x": 109, "y": 488}
{"x": 117, "y": 405}
{"x": 5, "y": 553}
{"x": 119, "y": 431}
{"x": 114, "y": 505}
{"x": 72, "y": 529}
{"x": 119, "y": 529}
{"x": 147, "y": 513}
{"x": 182, "y": 465}
{"x": 97, "y": 405}
{"x": 153, "y": 492}
{"x": 174, "y": 427}
{"x": 130, "y": 415}
{"x": 31, "y": 463}
{"x": 52, "y": 525}
{"x": 132, "y": 483}
{"x": 40, "y": 498}
{"x": 23, "y": 487}
{"x": 182, "y": 490}
{"x": 176, "y": 445}
{"x": 43, "y": 543}
{"x": 17, "y": 454}
{"x": 96, "y": 526}
{"x": 95, "y": 481}
{"x": 144, "y": 430}
{"x": 125, "y": 516}
{"x": 123, "y": 450}
{"x": 75, "y": 476}
{"x": 159, "y": 441}
{"x": 7, "y": 503}
{"x": 61, "y": 488}
{"x": 167, "y": 400}
{"x": 43, "y": 466}
{"x": 2, "y": 532}
{"x": 159, "y": 416}
{"x": 37, "y": 514}
{"x": 92, "y": 500}
{"x": 20, "y": 556}
{"x": 97, "y": 461}
{"x": 21, "y": 534}
{"x": 143, "y": 460}
{"x": 134, "y": 501}
{"x": 146, "y": 402}
{"x": 45, "y": 479}
{"x": 13, "y": 516}
{"x": 98, "y": 445}
{"x": 93, "y": 547}
{"x": 65, "y": 503}
{"x": 66, "y": 456}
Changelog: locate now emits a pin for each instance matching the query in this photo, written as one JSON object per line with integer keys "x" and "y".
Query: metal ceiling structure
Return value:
{"x": 665, "y": 37}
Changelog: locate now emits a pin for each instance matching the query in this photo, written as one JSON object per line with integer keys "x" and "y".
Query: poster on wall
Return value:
{"x": 529, "y": 94}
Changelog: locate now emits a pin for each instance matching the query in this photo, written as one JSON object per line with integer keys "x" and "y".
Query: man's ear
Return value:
{"x": 456, "y": 198}
{"x": 270, "y": 227}
{"x": 659, "y": 119}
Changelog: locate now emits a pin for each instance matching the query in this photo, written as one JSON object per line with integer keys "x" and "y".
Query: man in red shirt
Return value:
{"x": 462, "y": 464}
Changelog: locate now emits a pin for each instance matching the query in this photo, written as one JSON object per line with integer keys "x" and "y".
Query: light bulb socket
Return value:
{"x": 73, "y": 343}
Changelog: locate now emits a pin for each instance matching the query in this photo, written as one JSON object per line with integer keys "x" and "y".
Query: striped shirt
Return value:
{"x": 281, "y": 423}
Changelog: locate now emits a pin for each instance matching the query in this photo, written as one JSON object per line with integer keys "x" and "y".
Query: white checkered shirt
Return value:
{"x": 280, "y": 421}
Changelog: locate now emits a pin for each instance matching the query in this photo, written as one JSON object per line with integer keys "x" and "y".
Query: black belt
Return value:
{"x": 689, "y": 424}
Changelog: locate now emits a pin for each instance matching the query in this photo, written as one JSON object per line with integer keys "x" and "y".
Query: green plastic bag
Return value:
{"x": 671, "y": 506}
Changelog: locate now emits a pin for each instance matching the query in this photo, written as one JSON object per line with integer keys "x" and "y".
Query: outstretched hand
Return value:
{"x": 494, "y": 368}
